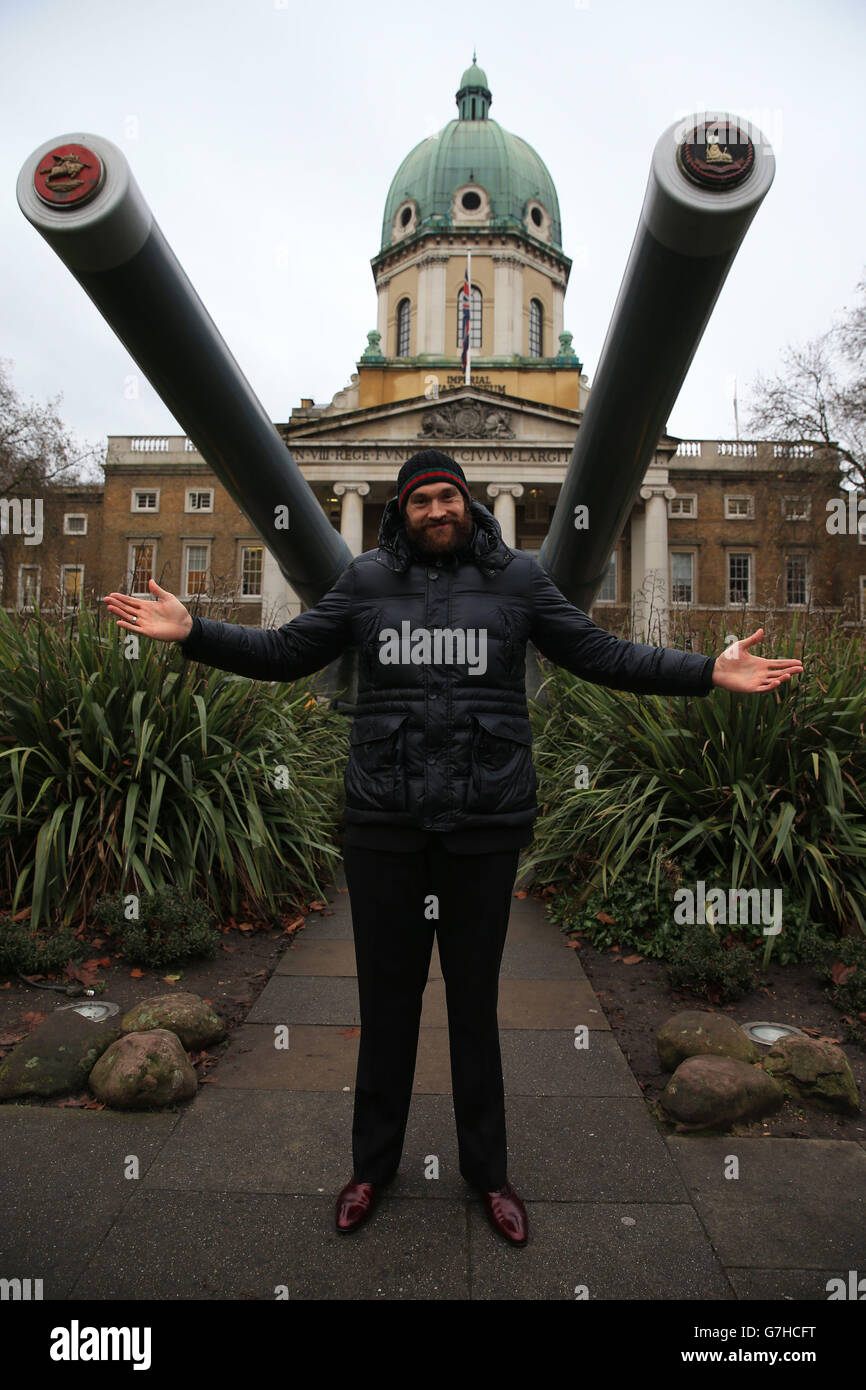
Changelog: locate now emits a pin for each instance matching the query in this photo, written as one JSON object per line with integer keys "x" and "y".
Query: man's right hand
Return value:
{"x": 166, "y": 620}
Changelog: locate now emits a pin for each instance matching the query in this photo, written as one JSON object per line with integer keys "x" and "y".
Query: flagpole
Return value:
{"x": 469, "y": 343}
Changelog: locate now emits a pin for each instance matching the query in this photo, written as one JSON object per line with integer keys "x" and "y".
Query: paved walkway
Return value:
{"x": 236, "y": 1190}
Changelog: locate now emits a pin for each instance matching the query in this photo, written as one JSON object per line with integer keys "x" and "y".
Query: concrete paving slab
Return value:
{"x": 291, "y": 1141}
{"x": 588, "y": 1149}
{"x": 251, "y": 1246}
{"x": 545, "y": 1062}
{"x": 293, "y": 999}
{"x": 785, "y": 1285}
{"x": 557, "y": 1004}
{"x": 316, "y": 1059}
{"x": 539, "y": 959}
{"x": 63, "y": 1176}
{"x": 331, "y": 958}
{"x": 797, "y": 1203}
{"x": 591, "y": 1250}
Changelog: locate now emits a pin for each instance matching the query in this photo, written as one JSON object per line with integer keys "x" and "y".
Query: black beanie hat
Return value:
{"x": 428, "y": 466}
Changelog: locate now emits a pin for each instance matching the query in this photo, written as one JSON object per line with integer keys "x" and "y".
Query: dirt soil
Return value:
{"x": 636, "y": 1001}
{"x": 231, "y": 983}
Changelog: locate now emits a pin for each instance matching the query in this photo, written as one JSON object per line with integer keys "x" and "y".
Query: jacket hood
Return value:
{"x": 486, "y": 546}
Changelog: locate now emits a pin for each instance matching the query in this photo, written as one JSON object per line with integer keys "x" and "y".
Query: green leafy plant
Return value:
{"x": 703, "y": 963}
{"x": 126, "y": 775}
{"x": 761, "y": 788}
{"x": 171, "y": 927}
{"x": 35, "y": 953}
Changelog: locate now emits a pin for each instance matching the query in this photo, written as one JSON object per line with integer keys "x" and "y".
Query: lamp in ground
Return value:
{"x": 766, "y": 1034}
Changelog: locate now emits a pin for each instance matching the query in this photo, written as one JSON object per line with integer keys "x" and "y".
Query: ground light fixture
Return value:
{"x": 766, "y": 1034}
{"x": 93, "y": 1010}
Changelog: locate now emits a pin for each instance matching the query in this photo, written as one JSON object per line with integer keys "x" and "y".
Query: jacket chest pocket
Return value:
{"x": 375, "y": 778}
{"x": 502, "y": 775}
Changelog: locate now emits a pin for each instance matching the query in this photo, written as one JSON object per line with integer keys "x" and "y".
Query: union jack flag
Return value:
{"x": 466, "y": 317}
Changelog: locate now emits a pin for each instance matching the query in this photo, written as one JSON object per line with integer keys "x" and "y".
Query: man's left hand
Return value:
{"x": 737, "y": 669}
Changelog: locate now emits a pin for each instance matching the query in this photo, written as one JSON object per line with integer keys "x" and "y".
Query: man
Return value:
{"x": 440, "y": 784}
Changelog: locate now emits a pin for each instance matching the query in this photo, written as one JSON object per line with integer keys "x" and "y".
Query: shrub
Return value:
{"x": 701, "y": 962}
{"x": 33, "y": 953}
{"x": 122, "y": 775}
{"x": 760, "y": 786}
{"x": 171, "y": 927}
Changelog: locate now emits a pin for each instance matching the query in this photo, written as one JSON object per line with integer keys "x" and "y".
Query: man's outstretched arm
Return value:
{"x": 568, "y": 636}
{"x": 309, "y": 642}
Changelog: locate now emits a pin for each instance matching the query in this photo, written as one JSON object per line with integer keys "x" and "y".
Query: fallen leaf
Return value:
{"x": 631, "y": 960}
{"x": 574, "y": 945}
{"x": 136, "y": 974}
{"x": 32, "y": 1017}
{"x": 350, "y": 1032}
{"x": 9, "y": 1039}
{"x": 521, "y": 893}
{"x": 841, "y": 972}
{"x": 603, "y": 917}
{"x": 171, "y": 979}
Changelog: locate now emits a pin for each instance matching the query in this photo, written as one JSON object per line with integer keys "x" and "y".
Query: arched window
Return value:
{"x": 536, "y": 326}
{"x": 403, "y": 323}
{"x": 474, "y": 318}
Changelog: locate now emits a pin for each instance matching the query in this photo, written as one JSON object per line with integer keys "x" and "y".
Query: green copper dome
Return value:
{"x": 475, "y": 150}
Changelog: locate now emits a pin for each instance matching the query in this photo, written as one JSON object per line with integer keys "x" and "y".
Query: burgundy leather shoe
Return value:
{"x": 507, "y": 1214}
{"x": 354, "y": 1204}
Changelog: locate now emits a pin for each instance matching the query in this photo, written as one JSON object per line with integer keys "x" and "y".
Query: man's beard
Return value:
{"x": 459, "y": 534}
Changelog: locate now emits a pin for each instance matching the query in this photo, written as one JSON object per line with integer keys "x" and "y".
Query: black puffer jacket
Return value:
{"x": 443, "y": 741}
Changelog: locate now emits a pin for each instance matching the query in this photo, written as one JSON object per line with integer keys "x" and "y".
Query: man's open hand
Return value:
{"x": 166, "y": 620}
{"x": 737, "y": 669}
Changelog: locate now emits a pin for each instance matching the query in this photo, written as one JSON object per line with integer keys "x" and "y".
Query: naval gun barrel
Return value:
{"x": 79, "y": 193}
{"x": 707, "y": 180}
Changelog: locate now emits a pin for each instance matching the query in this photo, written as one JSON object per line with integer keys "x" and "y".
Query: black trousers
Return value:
{"x": 394, "y": 921}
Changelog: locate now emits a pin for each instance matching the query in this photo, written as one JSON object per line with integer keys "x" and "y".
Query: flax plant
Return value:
{"x": 127, "y": 772}
{"x": 757, "y": 788}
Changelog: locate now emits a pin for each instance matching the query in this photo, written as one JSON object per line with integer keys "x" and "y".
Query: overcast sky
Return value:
{"x": 264, "y": 134}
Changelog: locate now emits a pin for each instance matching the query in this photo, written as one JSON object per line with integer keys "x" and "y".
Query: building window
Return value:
{"x": 795, "y": 579}
{"x": 71, "y": 585}
{"x": 145, "y": 501}
{"x": 861, "y": 529}
{"x": 28, "y": 586}
{"x": 141, "y": 558}
{"x": 863, "y": 598}
{"x": 474, "y": 318}
{"x": 739, "y": 578}
{"x": 739, "y": 506}
{"x": 252, "y": 559}
{"x": 75, "y": 524}
{"x": 536, "y": 322}
{"x": 196, "y": 570}
{"x": 199, "y": 499}
{"x": 403, "y": 323}
{"x": 685, "y": 504}
{"x": 607, "y": 592}
{"x": 682, "y": 576}
{"x": 796, "y": 508}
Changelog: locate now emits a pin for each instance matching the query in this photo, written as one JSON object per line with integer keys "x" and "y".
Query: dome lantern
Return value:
{"x": 473, "y": 96}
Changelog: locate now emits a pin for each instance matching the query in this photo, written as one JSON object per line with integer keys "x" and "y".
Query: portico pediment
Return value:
{"x": 467, "y": 413}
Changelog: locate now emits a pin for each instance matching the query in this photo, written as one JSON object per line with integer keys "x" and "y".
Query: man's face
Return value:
{"x": 437, "y": 519}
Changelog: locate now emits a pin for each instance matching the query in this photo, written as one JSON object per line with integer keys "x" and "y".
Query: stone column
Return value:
{"x": 382, "y": 320}
{"x": 432, "y": 274}
{"x": 352, "y": 514}
{"x": 507, "y": 306}
{"x": 552, "y": 348}
{"x": 503, "y": 508}
{"x": 656, "y": 589}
